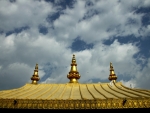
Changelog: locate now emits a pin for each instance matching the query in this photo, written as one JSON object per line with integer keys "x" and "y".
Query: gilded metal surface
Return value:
{"x": 111, "y": 95}
{"x": 35, "y": 77}
{"x": 74, "y": 91}
{"x": 73, "y": 74}
{"x": 112, "y": 76}
{"x": 74, "y": 96}
{"x": 75, "y": 104}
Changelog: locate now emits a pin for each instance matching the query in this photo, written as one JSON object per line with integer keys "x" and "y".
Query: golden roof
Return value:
{"x": 75, "y": 95}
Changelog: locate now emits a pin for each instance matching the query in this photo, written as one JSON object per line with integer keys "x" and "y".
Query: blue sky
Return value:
{"x": 49, "y": 32}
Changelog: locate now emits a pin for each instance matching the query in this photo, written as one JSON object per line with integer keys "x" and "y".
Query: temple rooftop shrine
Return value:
{"x": 74, "y": 95}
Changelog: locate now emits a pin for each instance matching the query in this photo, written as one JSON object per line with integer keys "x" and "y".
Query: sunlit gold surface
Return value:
{"x": 112, "y": 76}
{"x": 73, "y": 80}
{"x": 73, "y": 74}
{"x": 35, "y": 77}
{"x": 75, "y": 96}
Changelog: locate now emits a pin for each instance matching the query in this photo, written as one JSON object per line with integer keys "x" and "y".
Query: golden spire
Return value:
{"x": 112, "y": 76}
{"x": 73, "y": 74}
{"x": 35, "y": 77}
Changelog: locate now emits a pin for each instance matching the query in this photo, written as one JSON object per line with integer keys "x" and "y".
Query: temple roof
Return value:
{"x": 75, "y": 95}
{"x": 74, "y": 91}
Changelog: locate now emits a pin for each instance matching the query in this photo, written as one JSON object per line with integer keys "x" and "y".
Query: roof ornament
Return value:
{"x": 112, "y": 77}
{"x": 35, "y": 77}
{"x": 73, "y": 74}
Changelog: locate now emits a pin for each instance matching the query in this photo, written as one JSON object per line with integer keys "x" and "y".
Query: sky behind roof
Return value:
{"x": 49, "y": 32}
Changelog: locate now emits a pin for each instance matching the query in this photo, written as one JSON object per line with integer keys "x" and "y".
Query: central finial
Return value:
{"x": 73, "y": 74}
{"x": 112, "y": 76}
{"x": 35, "y": 77}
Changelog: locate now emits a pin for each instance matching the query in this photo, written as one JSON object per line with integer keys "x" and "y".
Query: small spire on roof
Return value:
{"x": 73, "y": 74}
{"x": 112, "y": 76}
{"x": 35, "y": 77}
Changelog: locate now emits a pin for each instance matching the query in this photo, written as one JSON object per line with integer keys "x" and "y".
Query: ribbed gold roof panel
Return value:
{"x": 94, "y": 92}
{"x": 144, "y": 91}
{"x": 124, "y": 93}
{"x": 74, "y": 91}
{"x": 132, "y": 91}
{"x": 46, "y": 93}
{"x": 29, "y": 92}
{"x": 38, "y": 93}
{"x": 19, "y": 92}
{"x": 103, "y": 92}
{"x": 58, "y": 93}
{"x": 85, "y": 94}
{"x": 111, "y": 91}
{"x": 75, "y": 95}
{"x": 53, "y": 90}
{"x": 67, "y": 93}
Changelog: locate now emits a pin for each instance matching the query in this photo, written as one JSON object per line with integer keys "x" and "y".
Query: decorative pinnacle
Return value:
{"x": 35, "y": 78}
{"x": 73, "y": 74}
{"x": 112, "y": 76}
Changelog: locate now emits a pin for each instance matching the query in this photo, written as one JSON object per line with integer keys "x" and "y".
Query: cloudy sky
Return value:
{"x": 97, "y": 31}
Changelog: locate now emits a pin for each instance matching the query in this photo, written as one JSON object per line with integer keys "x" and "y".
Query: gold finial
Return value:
{"x": 35, "y": 77}
{"x": 112, "y": 76}
{"x": 73, "y": 74}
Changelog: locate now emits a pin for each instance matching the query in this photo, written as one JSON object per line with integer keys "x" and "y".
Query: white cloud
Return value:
{"x": 20, "y": 52}
{"x": 49, "y": 80}
{"x": 94, "y": 63}
{"x": 142, "y": 77}
{"x": 15, "y": 75}
{"x": 129, "y": 83}
{"x": 19, "y": 49}
{"x": 23, "y": 13}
